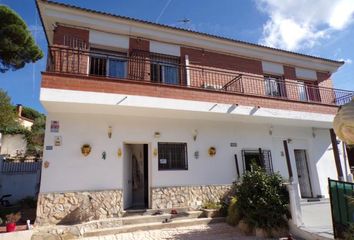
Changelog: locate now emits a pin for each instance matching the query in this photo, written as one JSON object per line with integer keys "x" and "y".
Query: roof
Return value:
{"x": 187, "y": 30}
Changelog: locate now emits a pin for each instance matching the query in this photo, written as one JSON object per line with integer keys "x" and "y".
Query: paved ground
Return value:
{"x": 317, "y": 219}
{"x": 219, "y": 231}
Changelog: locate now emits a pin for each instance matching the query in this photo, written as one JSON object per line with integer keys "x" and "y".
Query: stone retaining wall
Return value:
{"x": 187, "y": 196}
{"x": 77, "y": 207}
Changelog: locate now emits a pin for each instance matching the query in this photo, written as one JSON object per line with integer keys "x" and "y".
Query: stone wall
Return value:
{"x": 187, "y": 196}
{"x": 77, "y": 207}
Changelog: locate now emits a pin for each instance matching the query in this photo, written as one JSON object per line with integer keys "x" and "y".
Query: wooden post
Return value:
{"x": 288, "y": 163}
{"x": 336, "y": 154}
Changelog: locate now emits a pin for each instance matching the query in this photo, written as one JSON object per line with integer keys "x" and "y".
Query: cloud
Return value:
{"x": 301, "y": 24}
{"x": 347, "y": 61}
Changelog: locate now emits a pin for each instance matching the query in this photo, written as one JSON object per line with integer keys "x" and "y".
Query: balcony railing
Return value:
{"x": 160, "y": 69}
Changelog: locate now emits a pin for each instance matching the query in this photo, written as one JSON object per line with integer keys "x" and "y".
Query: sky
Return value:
{"x": 323, "y": 28}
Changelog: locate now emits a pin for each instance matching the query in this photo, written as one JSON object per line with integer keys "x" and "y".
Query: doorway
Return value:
{"x": 135, "y": 176}
{"x": 350, "y": 156}
{"x": 303, "y": 173}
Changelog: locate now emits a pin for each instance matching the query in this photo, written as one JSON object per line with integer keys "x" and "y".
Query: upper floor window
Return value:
{"x": 302, "y": 91}
{"x": 274, "y": 86}
{"x": 172, "y": 156}
{"x": 164, "y": 73}
{"x": 112, "y": 65}
{"x": 260, "y": 157}
{"x": 308, "y": 91}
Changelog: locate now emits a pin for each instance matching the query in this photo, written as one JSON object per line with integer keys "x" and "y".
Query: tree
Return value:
{"x": 17, "y": 46}
{"x": 7, "y": 116}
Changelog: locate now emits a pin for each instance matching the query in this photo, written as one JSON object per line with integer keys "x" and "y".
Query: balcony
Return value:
{"x": 162, "y": 70}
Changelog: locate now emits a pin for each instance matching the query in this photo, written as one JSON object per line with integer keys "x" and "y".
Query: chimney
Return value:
{"x": 19, "y": 110}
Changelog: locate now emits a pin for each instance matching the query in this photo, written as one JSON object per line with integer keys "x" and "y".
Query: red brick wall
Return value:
{"x": 139, "y": 44}
{"x": 61, "y": 31}
{"x": 71, "y": 82}
{"x": 66, "y": 60}
{"x": 222, "y": 61}
{"x": 289, "y": 73}
{"x": 137, "y": 69}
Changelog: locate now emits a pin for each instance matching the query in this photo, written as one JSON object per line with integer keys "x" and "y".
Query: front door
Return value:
{"x": 303, "y": 173}
{"x": 136, "y": 180}
{"x": 350, "y": 154}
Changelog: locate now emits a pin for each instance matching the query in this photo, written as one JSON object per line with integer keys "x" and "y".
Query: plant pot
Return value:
{"x": 245, "y": 228}
{"x": 10, "y": 227}
{"x": 262, "y": 233}
{"x": 210, "y": 213}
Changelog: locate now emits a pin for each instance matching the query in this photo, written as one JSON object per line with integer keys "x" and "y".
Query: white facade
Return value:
{"x": 69, "y": 170}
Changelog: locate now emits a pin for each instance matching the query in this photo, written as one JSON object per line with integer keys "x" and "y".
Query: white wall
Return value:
{"x": 13, "y": 144}
{"x": 69, "y": 170}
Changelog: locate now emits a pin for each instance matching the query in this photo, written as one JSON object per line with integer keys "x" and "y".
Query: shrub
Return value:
{"x": 28, "y": 202}
{"x": 349, "y": 233}
{"x": 233, "y": 216}
{"x": 13, "y": 217}
{"x": 211, "y": 205}
{"x": 262, "y": 200}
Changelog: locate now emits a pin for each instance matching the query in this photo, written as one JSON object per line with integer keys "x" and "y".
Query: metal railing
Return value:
{"x": 160, "y": 69}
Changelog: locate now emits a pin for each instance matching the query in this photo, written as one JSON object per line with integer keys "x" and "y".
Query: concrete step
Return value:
{"x": 143, "y": 212}
{"x": 306, "y": 202}
{"x": 153, "y": 226}
{"x": 160, "y": 218}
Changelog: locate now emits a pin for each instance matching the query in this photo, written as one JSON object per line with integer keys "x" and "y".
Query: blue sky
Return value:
{"x": 323, "y": 28}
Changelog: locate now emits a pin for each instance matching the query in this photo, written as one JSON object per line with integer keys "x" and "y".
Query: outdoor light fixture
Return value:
{"x": 195, "y": 134}
{"x": 109, "y": 131}
{"x": 155, "y": 152}
{"x": 119, "y": 153}
{"x": 271, "y": 130}
{"x": 157, "y": 134}
{"x": 313, "y": 133}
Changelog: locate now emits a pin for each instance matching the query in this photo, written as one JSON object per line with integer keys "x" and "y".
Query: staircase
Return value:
{"x": 133, "y": 220}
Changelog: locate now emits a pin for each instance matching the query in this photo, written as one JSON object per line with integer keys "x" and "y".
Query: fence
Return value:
{"x": 20, "y": 179}
{"x": 162, "y": 69}
{"x": 342, "y": 205}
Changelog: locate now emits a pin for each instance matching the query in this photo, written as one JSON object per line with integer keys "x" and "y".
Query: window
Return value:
{"x": 114, "y": 66}
{"x": 260, "y": 157}
{"x": 274, "y": 86}
{"x": 172, "y": 156}
{"x": 164, "y": 73}
{"x": 117, "y": 68}
{"x": 302, "y": 91}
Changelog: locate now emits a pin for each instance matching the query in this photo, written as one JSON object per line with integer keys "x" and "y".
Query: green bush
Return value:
{"x": 233, "y": 216}
{"x": 349, "y": 233}
{"x": 211, "y": 205}
{"x": 262, "y": 200}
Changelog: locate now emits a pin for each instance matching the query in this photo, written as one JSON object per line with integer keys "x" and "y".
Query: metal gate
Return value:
{"x": 342, "y": 205}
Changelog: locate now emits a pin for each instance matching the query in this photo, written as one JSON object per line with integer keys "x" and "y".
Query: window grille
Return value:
{"x": 260, "y": 157}
{"x": 172, "y": 156}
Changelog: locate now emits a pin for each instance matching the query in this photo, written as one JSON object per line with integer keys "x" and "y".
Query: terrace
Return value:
{"x": 163, "y": 70}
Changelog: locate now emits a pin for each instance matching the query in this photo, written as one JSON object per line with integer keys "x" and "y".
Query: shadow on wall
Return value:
{"x": 318, "y": 153}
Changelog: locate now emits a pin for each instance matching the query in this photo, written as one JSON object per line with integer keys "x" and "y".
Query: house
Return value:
{"x": 144, "y": 115}
{"x": 16, "y": 144}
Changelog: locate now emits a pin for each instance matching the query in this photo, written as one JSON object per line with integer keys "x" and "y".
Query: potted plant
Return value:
{"x": 11, "y": 220}
{"x": 211, "y": 209}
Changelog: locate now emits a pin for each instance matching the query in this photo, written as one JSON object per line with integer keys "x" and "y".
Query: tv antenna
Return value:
{"x": 185, "y": 22}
